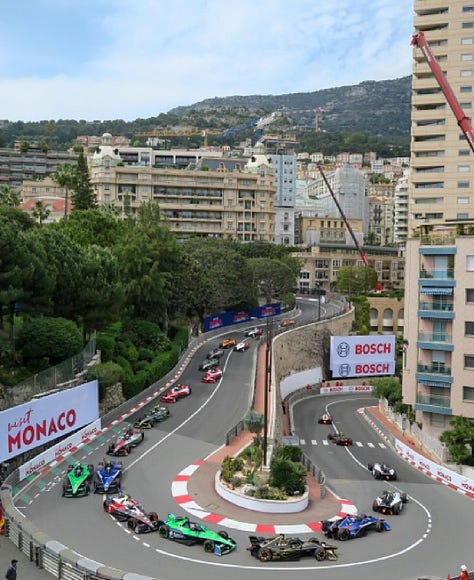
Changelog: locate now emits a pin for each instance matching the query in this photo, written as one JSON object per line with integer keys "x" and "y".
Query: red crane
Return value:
{"x": 348, "y": 225}
{"x": 463, "y": 121}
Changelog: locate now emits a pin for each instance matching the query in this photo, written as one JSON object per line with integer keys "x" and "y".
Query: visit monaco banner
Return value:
{"x": 362, "y": 356}
{"x": 24, "y": 427}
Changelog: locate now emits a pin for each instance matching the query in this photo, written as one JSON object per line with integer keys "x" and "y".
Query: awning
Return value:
{"x": 433, "y": 290}
{"x": 434, "y": 384}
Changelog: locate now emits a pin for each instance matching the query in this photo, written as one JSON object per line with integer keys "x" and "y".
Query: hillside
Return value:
{"x": 373, "y": 115}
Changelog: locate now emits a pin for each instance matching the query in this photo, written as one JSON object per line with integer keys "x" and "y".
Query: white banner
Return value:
{"x": 346, "y": 389}
{"x": 358, "y": 350}
{"x": 433, "y": 469}
{"x": 60, "y": 449}
{"x": 362, "y": 369}
{"x": 24, "y": 427}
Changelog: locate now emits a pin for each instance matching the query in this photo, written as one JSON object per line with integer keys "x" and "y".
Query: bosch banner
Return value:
{"x": 24, "y": 427}
{"x": 362, "y": 356}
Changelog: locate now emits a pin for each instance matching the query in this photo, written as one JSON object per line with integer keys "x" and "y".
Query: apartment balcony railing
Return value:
{"x": 433, "y": 401}
{"x": 434, "y": 369}
{"x": 436, "y": 307}
{"x": 446, "y": 239}
{"x": 436, "y": 274}
{"x": 434, "y": 337}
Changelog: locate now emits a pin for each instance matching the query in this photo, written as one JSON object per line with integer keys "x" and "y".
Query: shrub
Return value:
{"x": 288, "y": 476}
{"x": 106, "y": 344}
{"x": 107, "y": 374}
{"x": 236, "y": 481}
{"x": 290, "y": 452}
{"x": 133, "y": 384}
{"x": 48, "y": 340}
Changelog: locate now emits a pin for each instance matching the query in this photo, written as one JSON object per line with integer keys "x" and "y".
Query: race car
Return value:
{"x": 227, "y": 343}
{"x": 145, "y": 422}
{"x": 382, "y": 471}
{"x": 340, "y": 439}
{"x": 287, "y": 322}
{"x": 131, "y": 438}
{"x": 179, "y": 391}
{"x": 254, "y": 332}
{"x": 212, "y": 376}
{"x": 125, "y": 509}
{"x": 160, "y": 413}
{"x": 108, "y": 476}
{"x": 215, "y": 353}
{"x": 390, "y": 502}
{"x": 209, "y": 363}
{"x": 180, "y": 529}
{"x": 282, "y": 548}
{"x": 78, "y": 480}
{"x": 241, "y": 346}
{"x": 353, "y": 526}
{"x": 325, "y": 419}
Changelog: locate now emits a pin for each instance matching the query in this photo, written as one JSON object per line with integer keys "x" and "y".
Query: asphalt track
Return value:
{"x": 428, "y": 538}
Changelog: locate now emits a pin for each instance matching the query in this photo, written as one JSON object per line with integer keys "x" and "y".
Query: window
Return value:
{"x": 466, "y": 72}
{"x": 468, "y": 24}
{"x": 466, "y": 56}
{"x": 466, "y": 41}
{"x": 466, "y": 89}
{"x": 463, "y": 168}
{"x": 463, "y": 184}
{"x": 107, "y": 187}
{"x": 468, "y": 394}
{"x": 469, "y": 361}
{"x": 463, "y": 200}
{"x": 466, "y": 105}
{"x": 468, "y": 328}
{"x": 469, "y": 295}
{"x": 463, "y": 152}
{"x": 469, "y": 263}
{"x": 462, "y": 216}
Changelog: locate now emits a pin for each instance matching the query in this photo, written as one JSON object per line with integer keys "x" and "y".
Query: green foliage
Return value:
{"x": 133, "y": 384}
{"x": 290, "y": 452}
{"x": 288, "y": 476}
{"x": 254, "y": 421}
{"x": 356, "y": 279}
{"x": 145, "y": 333}
{"x": 107, "y": 374}
{"x": 229, "y": 467}
{"x": 83, "y": 196}
{"x": 460, "y": 440}
{"x": 270, "y": 493}
{"x": 50, "y": 340}
{"x": 361, "y": 322}
{"x": 105, "y": 343}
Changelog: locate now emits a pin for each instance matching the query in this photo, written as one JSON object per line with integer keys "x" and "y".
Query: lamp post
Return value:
{"x": 318, "y": 286}
{"x": 268, "y": 366}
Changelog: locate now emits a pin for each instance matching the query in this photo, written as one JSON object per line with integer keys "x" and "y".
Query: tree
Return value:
{"x": 356, "y": 279}
{"x": 92, "y": 227}
{"x": 40, "y": 211}
{"x": 9, "y": 196}
{"x": 460, "y": 440}
{"x": 83, "y": 196}
{"x": 65, "y": 176}
{"x": 271, "y": 277}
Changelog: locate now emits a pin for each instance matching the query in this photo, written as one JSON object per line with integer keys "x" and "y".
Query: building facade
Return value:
{"x": 438, "y": 377}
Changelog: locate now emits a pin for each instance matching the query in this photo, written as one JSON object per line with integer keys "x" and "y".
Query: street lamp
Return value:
{"x": 318, "y": 286}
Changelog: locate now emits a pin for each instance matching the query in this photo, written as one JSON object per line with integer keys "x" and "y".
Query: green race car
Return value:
{"x": 78, "y": 480}
{"x": 180, "y": 529}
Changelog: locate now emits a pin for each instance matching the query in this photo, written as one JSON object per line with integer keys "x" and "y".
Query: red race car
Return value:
{"x": 241, "y": 346}
{"x": 212, "y": 376}
{"x": 254, "y": 332}
{"x": 177, "y": 392}
{"x": 325, "y": 419}
{"x": 126, "y": 509}
{"x": 131, "y": 438}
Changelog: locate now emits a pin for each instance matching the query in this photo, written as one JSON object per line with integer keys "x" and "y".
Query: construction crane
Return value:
{"x": 346, "y": 221}
{"x": 163, "y": 133}
{"x": 464, "y": 122}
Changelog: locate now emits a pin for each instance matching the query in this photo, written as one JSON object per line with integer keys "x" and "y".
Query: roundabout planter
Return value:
{"x": 234, "y": 495}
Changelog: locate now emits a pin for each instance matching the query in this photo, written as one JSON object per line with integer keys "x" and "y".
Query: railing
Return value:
{"x": 435, "y": 307}
{"x": 436, "y": 274}
{"x": 448, "y": 239}
{"x": 437, "y": 369}
{"x": 434, "y": 337}
{"x": 434, "y": 401}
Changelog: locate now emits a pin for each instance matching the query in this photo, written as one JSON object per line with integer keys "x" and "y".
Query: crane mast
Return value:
{"x": 348, "y": 225}
{"x": 463, "y": 121}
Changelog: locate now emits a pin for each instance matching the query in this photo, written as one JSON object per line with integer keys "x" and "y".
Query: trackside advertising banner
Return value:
{"x": 228, "y": 318}
{"x": 24, "y": 427}
{"x": 362, "y": 356}
{"x": 60, "y": 449}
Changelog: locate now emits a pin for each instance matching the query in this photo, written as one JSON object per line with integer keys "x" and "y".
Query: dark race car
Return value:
{"x": 155, "y": 415}
{"x": 390, "y": 502}
{"x": 352, "y": 526}
{"x": 108, "y": 476}
{"x": 131, "y": 438}
{"x": 340, "y": 439}
{"x": 179, "y": 391}
{"x": 78, "y": 480}
{"x": 382, "y": 471}
{"x": 215, "y": 353}
{"x": 126, "y": 509}
{"x": 282, "y": 548}
{"x": 325, "y": 419}
{"x": 209, "y": 363}
{"x": 180, "y": 529}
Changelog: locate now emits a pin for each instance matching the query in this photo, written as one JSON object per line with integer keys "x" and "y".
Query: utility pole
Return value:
{"x": 268, "y": 366}
{"x": 318, "y": 285}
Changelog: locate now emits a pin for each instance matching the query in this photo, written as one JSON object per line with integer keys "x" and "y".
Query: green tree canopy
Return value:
{"x": 460, "y": 440}
{"x": 83, "y": 196}
{"x": 356, "y": 279}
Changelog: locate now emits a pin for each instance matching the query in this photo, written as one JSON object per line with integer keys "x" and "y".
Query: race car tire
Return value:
{"x": 396, "y": 510}
{"x": 143, "y": 437}
{"x": 132, "y": 524}
{"x": 264, "y": 555}
{"x": 330, "y": 436}
{"x": 164, "y": 531}
{"x": 190, "y": 390}
{"x": 377, "y": 474}
{"x": 370, "y": 466}
{"x": 313, "y": 541}
{"x": 153, "y": 516}
{"x": 404, "y": 497}
{"x": 394, "y": 477}
{"x": 320, "y": 554}
{"x": 105, "y": 505}
{"x": 379, "y": 526}
{"x": 343, "y": 535}
{"x": 208, "y": 546}
{"x": 375, "y": 506}
{"x": 87, "y": 487}
{"x": 223, "y": 534}
{"x": 349, "y": 442}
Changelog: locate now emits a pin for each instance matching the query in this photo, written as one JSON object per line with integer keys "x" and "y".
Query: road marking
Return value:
{"x": 371, "y": 445}
{"x": 314, "y": 442}
{"x": 302, "y": 441}
{"x": 359, "y": 444}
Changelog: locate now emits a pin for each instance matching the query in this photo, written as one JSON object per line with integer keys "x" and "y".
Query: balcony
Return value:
{"x": 436, "y": 274}
{"x": 429, "y": 306}
{"x": 435, "y": 368}
{"x": 433, "y": 404}
{"x": 442, "y": 337}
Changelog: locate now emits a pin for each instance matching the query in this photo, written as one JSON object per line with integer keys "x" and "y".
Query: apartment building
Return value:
{"x": 438, "y": 373}
{"x": 401, "y": 210}
{"x": 220, "y": 203}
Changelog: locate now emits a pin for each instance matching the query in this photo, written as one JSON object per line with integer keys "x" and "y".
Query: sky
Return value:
{"x": 129, "y": 59}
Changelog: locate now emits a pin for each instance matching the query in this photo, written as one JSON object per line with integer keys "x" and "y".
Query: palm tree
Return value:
{"x": 9, "y": 196}
{"x": 40, "y": 211}
{"x": 65, "y": 176}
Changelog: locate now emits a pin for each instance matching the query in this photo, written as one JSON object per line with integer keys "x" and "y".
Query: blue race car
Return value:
{"x": 108, "y": 477}
{"x": 351, "y": 527}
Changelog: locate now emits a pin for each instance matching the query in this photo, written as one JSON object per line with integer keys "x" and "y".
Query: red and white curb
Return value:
{"x": 179, "y": 491}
